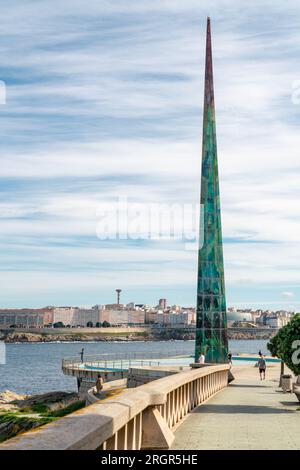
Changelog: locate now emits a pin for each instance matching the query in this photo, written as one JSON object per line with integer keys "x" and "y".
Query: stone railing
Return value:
{"x": 92, "y": 396}
{"x": 138, "y": 418}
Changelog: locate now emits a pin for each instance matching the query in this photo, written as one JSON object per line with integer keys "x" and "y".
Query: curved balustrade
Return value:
{"x": 117, "y": 357}
{"x": 93, "y": 397}
{"x": 143, "y": 417}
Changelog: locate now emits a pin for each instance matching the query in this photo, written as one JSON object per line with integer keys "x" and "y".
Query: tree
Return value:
{"x": 58, "y": 324}
{"x": 285, "y": 344}
{"x": 273, "y": 347}
{"x": 98, "y": 324}
{"x": 105, "y": 324}
{"x": 90, "y": 324}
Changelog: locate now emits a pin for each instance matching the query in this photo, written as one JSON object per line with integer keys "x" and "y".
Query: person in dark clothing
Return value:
{"x": 262, "y": 367}
{"x": 81, "y": 354}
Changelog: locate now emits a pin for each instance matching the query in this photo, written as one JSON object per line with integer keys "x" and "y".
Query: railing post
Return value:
{"x": 155, "y": 432}
{"x": 131, "y": 434}
{"x": 138, "y": 432}
{"x": 112, "y": 442}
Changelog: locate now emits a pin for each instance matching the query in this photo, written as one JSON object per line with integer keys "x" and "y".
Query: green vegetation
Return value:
{"x": 284, "y": 344}
{"x": 143, "y": 334}
{"x": 13, "y": 423}
{"x": 58, "y": 324}
{"x": 26, "y": 418}
{"x": 65, "y": 411}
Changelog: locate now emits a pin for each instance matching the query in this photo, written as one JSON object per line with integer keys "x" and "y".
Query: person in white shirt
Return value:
{"x": 202, "y": 359}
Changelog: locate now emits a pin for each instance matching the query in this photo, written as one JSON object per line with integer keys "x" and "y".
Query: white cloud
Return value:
{"x": 287, "y": 295}
{"x": 106, "y": 101}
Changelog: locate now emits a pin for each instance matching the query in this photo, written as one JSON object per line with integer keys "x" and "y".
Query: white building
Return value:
{"x": 183, "y": 318}
{"x": 75, "y": 316}
{"x": 85, "y": 316}
{"x": 64, "y": 315}
{"x": 122, "y": 317}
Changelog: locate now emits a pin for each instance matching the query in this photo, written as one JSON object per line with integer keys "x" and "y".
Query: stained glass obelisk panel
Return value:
{"x": 211, "y": 328}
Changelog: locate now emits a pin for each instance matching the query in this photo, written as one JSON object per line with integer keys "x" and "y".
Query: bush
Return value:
{"x": 58, "y": 324}
{"x": 282, "y": 345}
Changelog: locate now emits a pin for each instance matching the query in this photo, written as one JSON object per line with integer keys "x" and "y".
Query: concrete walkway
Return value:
{"x": 249, "y": 414}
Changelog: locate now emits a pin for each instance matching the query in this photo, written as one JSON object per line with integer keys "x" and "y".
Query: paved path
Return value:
{"x": 249, "y": 414}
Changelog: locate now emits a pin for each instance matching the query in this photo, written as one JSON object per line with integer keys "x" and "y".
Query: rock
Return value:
{"x": 53, "y": 400}
{"x": 8, "y": 396}
{"x": 13, "y": 424}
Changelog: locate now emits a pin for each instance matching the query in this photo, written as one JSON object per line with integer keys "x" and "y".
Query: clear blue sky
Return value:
{"x": 104, "y": 98}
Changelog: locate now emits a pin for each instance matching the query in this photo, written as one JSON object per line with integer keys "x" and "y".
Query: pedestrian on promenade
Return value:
{"x": 262, "y": 367}
{"x": 81, "y": 354}
{"x": 99, "y": 383}
{"x": 202, "y": 358}
{"x": 260, "y": 353}
{"x": 230, "y": 358}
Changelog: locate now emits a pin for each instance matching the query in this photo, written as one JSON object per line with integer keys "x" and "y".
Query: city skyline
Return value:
{"x": 107, "y": 101}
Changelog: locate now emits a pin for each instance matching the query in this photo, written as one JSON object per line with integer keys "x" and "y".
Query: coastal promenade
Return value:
{"x": 249, "y": 414}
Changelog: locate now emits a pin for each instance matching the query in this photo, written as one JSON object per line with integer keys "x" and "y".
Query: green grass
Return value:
{"x": 39, "y": 408}
{"x": 44, "y": 410}
{"x": 67, "y": 410}
{"x": 16, "y": 422}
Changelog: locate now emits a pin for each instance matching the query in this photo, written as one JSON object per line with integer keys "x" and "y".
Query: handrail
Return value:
{"x": 129, "y": 355}
{"x": 109, "y": 366}
{"x": 124, "y": 422}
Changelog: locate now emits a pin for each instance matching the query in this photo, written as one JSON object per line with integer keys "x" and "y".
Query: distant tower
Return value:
{"x": 162, "y": 303}
{"x": 118, "y": 291}
{"x": 211, "y": 326}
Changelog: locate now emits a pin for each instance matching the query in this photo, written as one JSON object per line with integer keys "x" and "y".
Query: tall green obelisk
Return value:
{"x": 211, "y": 328}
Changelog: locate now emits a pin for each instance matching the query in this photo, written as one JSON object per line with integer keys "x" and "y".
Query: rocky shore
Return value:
{"x": 15, "y": 337}
{"x": 150, "y": 335}
{"x": 19, "y": 413}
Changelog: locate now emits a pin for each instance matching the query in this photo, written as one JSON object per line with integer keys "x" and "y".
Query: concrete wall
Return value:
{"x": 141, "y": 375}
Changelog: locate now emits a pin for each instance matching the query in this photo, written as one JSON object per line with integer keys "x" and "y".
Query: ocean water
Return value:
{"x": 36, "y": 368}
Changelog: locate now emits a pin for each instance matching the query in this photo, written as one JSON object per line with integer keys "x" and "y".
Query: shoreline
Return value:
{"x": 118, "y": 335}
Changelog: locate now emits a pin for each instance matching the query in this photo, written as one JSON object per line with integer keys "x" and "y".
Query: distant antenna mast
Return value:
{"x": 118, "y": 291}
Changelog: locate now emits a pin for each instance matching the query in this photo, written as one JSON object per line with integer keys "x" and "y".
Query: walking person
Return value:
{"x": 230, "y": 358}
{"x": 81, "y": 354}
{"x": 262, "y": 365}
